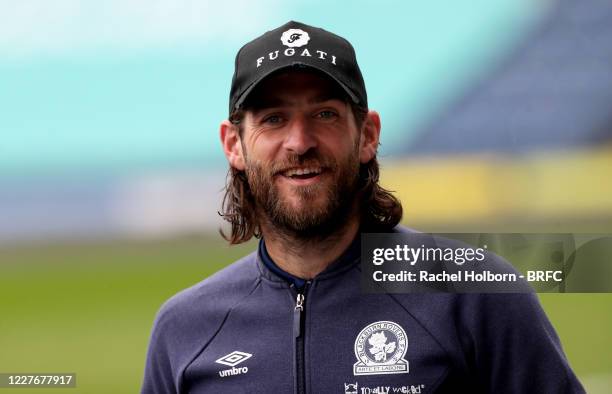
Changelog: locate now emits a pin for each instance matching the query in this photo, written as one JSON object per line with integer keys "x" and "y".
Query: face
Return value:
{"x": 301, "y": 149}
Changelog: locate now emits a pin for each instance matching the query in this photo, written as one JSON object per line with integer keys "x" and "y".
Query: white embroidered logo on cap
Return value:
{"x": 295, "y": 38}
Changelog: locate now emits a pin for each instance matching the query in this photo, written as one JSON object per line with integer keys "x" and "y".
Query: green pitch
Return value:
{"x": 89, "y": 308}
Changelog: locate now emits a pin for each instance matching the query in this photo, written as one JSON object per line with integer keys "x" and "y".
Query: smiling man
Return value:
{"x": 291, "y": 317}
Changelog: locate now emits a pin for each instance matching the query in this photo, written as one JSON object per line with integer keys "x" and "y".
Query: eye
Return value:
{"x": 272, "y": 119}
{"x": 327, "y": 114}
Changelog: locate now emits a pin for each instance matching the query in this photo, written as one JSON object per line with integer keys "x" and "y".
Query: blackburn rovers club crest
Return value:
{"x": 295, "y": 38}
{"x": 380, "y": 349}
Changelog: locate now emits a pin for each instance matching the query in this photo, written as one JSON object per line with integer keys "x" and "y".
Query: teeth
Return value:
{"x": 303, "y": 171}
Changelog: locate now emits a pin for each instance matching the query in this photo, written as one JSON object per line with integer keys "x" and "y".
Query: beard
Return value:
{"x": 322, "y": 208}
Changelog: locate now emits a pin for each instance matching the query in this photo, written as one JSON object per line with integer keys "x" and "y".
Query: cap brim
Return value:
{"x": 248, "y": 90}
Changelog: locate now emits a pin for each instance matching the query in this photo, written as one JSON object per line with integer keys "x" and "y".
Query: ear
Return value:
{"x": 230, "y": 140}
{"x": 370, "y": 135}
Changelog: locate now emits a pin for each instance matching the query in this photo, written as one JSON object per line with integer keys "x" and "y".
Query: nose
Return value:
{"x": 299, "y": 138}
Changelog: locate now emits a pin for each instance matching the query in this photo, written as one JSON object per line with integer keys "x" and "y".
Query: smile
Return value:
{"x": 302, "y": 173}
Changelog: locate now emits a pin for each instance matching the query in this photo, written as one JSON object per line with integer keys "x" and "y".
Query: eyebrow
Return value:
{"x": 323, "y": 98}
{"x": 273, "y": 102}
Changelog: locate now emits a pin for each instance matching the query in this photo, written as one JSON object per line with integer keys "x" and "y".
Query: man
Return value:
{"x": 291, "y": 317}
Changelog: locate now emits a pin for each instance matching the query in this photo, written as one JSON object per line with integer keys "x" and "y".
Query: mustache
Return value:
{"x": 308, "y": 159}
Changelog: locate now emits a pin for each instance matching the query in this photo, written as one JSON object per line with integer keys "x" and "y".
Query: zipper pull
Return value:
{"x": 297, "y": 315}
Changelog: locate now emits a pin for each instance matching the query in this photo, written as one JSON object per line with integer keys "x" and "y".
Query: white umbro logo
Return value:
{"x": 231, "y": 360}
{"x": 234, "y": 358}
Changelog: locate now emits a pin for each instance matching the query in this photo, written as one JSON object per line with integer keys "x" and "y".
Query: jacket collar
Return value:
{"x": 271, "y": 271}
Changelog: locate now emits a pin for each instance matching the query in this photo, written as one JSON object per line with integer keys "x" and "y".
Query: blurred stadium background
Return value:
{"x": 497, "y": 116}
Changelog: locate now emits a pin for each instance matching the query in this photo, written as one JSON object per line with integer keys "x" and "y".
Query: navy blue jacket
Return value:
{"x": 246, "y": 329}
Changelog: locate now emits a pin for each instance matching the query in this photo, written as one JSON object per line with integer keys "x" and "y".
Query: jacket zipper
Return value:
{"x": 298, "y": 335}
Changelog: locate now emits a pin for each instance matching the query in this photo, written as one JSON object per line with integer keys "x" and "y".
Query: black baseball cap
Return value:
{"x": 295, "y": 44}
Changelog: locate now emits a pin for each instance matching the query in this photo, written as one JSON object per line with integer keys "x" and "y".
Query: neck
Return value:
{"x": 306, "y": 258}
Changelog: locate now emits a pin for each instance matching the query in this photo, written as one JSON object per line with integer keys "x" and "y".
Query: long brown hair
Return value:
{"x": 380, "y": 209}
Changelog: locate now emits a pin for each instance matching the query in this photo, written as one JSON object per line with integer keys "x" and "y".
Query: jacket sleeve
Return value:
{"x": 158, "y": 375}
{"x": 516, "y": 349}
